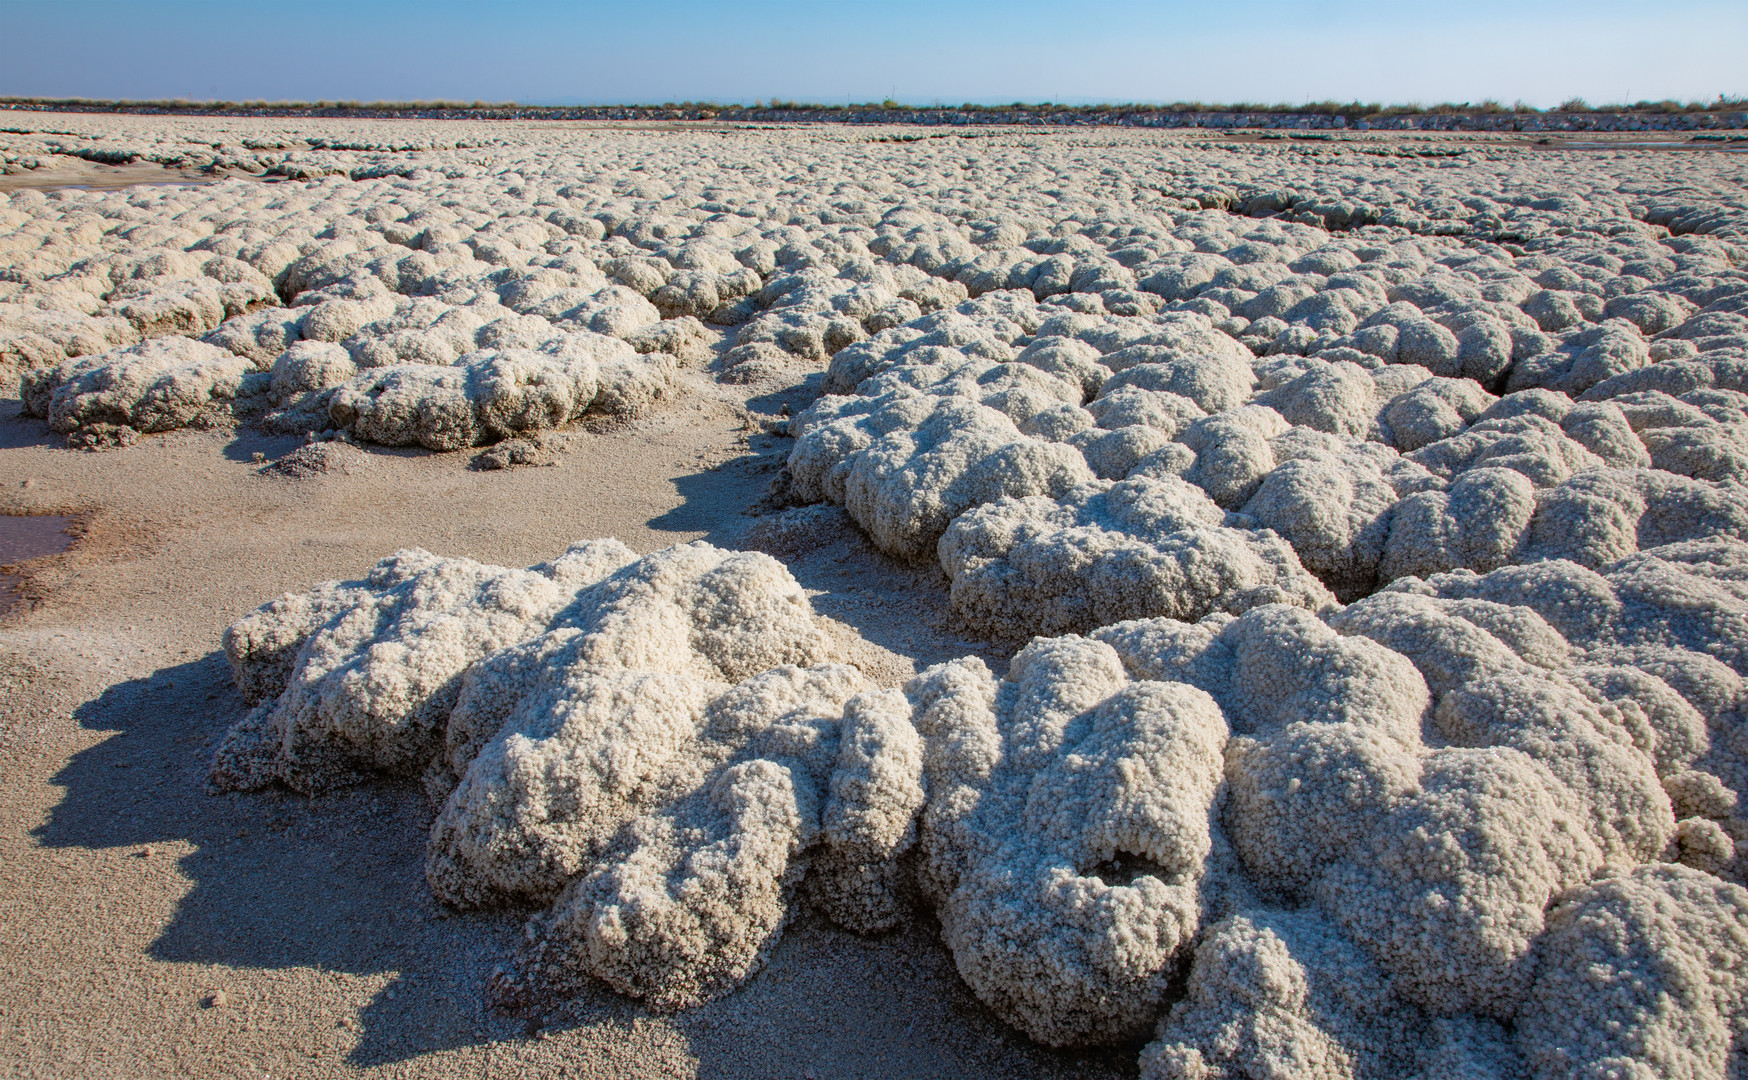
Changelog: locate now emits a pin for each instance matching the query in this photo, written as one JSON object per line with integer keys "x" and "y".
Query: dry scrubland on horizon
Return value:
{"x": 1383, "y": 498}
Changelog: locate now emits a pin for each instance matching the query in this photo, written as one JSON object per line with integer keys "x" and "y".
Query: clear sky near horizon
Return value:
{"x": 918, "y": 52}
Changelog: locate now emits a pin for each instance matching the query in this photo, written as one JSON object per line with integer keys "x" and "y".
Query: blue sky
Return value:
{"x": 545, "y": 51}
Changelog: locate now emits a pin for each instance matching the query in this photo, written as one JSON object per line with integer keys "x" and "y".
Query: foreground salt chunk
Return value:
{"x": 1282, "y": 993}
{"x": 629, "y": 670}
{"x": 1068, "y": 833}
{"x": 870, "y": 814}
{"x": 1493, "y": 689}
{"x": 373, "y": 682}
{"x": 1336, "y": 798}
{"x": 658, "y": 748}
{"x": 690, "y": 894}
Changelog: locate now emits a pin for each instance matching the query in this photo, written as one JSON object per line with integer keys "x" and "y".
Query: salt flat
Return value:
{"x": 1378, "y": 500}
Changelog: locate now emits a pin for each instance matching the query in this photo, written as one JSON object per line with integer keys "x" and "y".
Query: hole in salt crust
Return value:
{"x": 1123, "y": 868}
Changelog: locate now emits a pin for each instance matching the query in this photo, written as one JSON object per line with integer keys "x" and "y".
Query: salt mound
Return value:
{"x": 1105, "y": 553}
{"x": 1471, "y": 788}
{"x": 483, "y": 396}
{"x": 1068, "y": 833}
{"x": 1668, "y": 941}
{"x": 319, "y": 459}
{"x": 1282, "y": 993}
{"x": 658, "y": 748}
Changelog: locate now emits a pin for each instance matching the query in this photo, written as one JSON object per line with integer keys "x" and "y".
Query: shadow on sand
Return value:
{"x": 334, "y": 882}
{"x": 18, "y": 430}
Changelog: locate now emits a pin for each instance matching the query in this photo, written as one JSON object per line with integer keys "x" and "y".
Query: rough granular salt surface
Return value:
{"x": 1358, "y": 539}
{"x": 655, "y": 747}
{"x": 320, "y": 459}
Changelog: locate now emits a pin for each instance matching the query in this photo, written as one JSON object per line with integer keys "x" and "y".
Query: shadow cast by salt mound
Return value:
{"x": 712, "y": 499}
{"x": 797, "y": 396}
{"x": 899, "y": 606}
{"x": 249, "y": 441}
{"x": 890, "y": 1007}
{"x": 281, "y": 881}
{"x": 18, "y": 431}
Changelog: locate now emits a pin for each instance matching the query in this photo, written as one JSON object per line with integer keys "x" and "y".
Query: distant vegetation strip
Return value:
{"x": 1575, "y": 114}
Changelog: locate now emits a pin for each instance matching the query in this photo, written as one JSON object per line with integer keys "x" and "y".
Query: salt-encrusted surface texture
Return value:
{"x": 1068, "y": 833}
{"x": 655, "y": 749}
{"x": 1476, "y": 795}
{"x": 424, "y": 244}
{"x": 1470, "y": 825}
{"x": 1448, "y": 388}
{"x": 1377, "y": 523}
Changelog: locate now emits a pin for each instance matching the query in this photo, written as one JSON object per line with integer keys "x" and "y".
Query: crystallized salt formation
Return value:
{"x": 1340, "y": 389}
{"x": 1498, "y": 268}
{"x": 1493, "y": 813}
{"x": 1446, "y": 782}
{"x": 1068, "y": 833}
{"x": 1371, "y": 530}
{"x": 658, "y": 749}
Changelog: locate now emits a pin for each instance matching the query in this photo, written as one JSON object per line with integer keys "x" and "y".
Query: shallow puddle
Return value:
{"x": 25, "y": 537}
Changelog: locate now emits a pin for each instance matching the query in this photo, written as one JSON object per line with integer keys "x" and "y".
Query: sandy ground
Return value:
{"x": 153, "y": 929}
{"x": 72, "y": 172}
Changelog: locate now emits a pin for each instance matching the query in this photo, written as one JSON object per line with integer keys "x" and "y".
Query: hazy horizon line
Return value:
{"x": 1491, "y": 105}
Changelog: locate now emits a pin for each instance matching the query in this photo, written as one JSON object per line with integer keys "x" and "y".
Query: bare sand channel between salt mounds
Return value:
{"x": 556, "y": 599}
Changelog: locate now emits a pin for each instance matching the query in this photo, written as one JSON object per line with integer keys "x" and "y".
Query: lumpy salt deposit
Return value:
{"x": 1368, "y": 517}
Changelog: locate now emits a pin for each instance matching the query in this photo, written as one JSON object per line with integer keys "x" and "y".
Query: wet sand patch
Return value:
{"x": 24, "y": 537}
